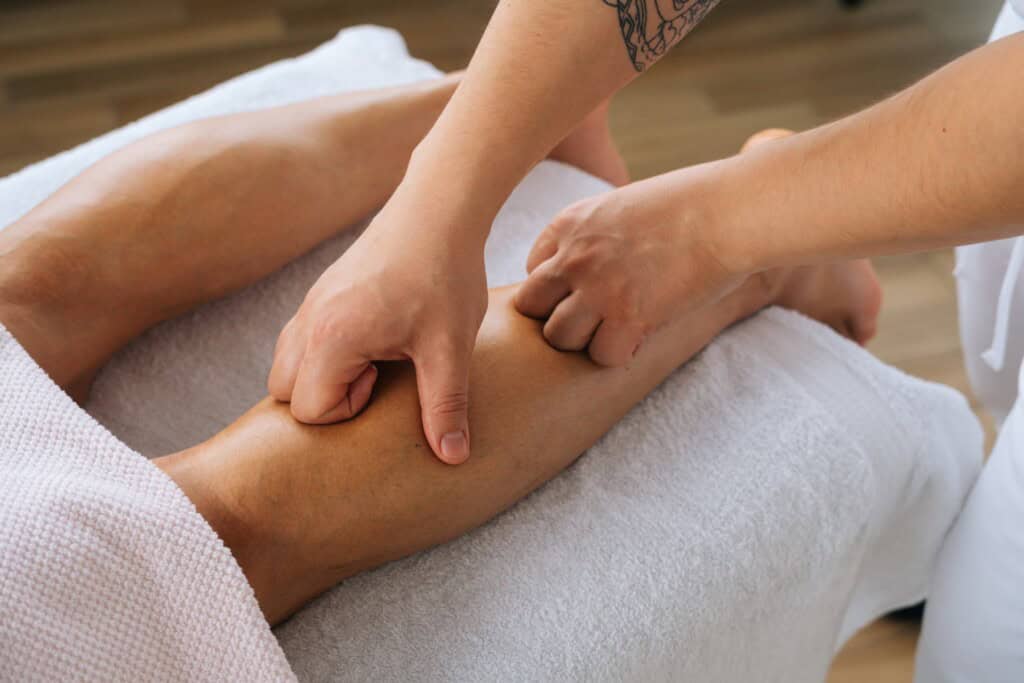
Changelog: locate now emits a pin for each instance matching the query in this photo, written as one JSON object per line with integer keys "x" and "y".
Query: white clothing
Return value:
{"x": 974, "y": 623}
{"x": 778, "y": 492}
{"x": 989, "y": 298}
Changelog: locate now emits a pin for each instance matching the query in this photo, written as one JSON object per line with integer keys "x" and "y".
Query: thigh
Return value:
{"x": 974, "y": 622}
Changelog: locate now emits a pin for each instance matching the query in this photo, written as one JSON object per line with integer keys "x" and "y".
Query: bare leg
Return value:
{"x": 198, "y": 211}
{"x": 195, "y": 212}
{"x": 303, "y": 507}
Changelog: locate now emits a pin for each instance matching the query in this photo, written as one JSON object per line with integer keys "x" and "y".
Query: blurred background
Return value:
{"x": 72, "y": 70}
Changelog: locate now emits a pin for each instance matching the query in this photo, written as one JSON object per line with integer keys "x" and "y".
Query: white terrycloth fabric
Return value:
{"x": 770, "y": 498}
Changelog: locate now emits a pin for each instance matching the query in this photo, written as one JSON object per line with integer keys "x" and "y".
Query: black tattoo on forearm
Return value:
{"x": 651, "y": 27}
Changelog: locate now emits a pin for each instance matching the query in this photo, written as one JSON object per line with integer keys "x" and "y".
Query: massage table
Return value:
{"x": 773, "y": 496}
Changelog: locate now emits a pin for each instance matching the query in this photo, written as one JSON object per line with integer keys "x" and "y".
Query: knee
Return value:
{"x": 45, "y": 302}
{"x": 38, "y": 273}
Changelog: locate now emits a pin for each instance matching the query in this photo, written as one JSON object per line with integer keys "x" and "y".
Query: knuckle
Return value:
{"x": 553, "y": 335}
{"x": 564, "y": 342}
{"x": 326, "y": 327}
{"x": 454, "y": 403}
{"x": 346, "y": 410}
{"x": 592, "y": 256}
{"x": 609, "y": 359}
{"x": 303, "y": 413}
{"x": 279, "y": 388}
{"x": 617, "y": 344}
{"x": 575, "y": 214}
{"x": 322, "y": 329}
{"x": 577, "y": 262}
{"x": 612, "y": 355}
{"x": 453, "y": 341}
{"x": 624, "y": 301}
{"x": 565, "y": 219}
{"x": 553, "y": 269}
{"x": 546, "y": 241}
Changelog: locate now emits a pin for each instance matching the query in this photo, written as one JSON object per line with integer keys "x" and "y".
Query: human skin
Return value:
{"x": 302, "y": 507}
{"x": 539, "y": 69}
{"x": 937, "y": 165}
{"x": 324, "y": 165}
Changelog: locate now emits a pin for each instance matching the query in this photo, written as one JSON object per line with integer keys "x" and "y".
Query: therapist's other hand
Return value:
{"x": 611, "y": 269}
{"x": 401, "y": 291}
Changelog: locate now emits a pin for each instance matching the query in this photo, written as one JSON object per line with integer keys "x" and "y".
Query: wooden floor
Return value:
{"x": 72, "y": 70}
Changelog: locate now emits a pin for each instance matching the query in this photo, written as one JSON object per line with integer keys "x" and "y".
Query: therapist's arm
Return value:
{"x": 939, "y": 164}
{"x": 539, "y": 69}
{"x": 413, "y": 285}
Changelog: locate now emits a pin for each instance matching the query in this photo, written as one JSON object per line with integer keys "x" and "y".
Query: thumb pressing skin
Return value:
{"x": 443, "y": 386}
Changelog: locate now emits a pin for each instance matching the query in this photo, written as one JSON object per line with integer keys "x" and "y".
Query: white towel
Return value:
{"x": 107, "y": 572}
{"x": 766, "y": 501}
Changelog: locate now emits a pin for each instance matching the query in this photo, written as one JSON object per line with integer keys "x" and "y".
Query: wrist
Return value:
{"x": 701, "y": 204}
{"x": 465, "y": 180}
{"x": 741, "y": 246}
{"x": 445, "y": 213}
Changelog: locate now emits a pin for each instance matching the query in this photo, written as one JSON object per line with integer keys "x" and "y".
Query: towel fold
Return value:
{"x": 765, "y": 502}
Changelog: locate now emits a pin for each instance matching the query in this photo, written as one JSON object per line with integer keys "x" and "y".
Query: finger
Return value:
{"x": 572, "y": 324}
{"x": 323, "y": 388}
{"x": 863, "y": 330}
{"x": 538, "y": 296}
{"x": 360, "y": 390}
{"x": 443, "y": 384}
{"x": 615, "y": 344}
{"x": 544, "y": 248}
{"x": 285, "y": 368}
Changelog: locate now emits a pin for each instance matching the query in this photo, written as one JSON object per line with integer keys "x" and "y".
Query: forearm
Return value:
{"x": 936, "y": 165}
{"x": 304, "y": 507}
{"x": 539, "y": 69}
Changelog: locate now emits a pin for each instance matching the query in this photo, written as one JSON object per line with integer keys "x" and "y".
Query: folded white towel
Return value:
{"x": 777, "y": 493}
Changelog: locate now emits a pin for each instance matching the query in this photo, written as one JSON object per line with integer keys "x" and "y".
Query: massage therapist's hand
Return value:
{"x": 611, "y": 269}
{"x": 403, "y": 290}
